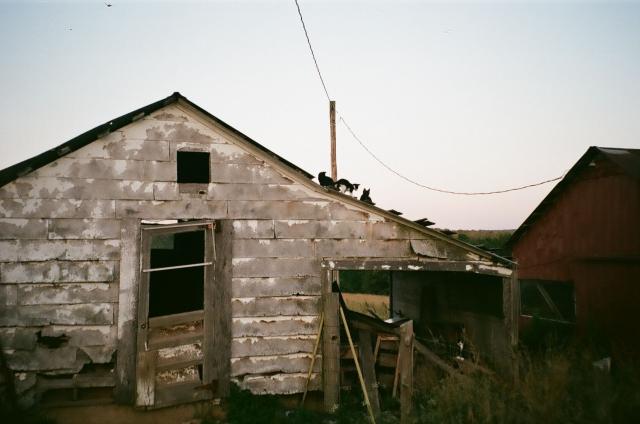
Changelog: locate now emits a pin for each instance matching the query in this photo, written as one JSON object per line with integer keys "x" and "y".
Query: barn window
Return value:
{"x": 548, "y": 299}
{"x": 193, "y": 167}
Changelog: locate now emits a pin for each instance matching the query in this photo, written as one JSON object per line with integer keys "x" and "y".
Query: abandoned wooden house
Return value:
{"x": 578, "y": 252}
{"x": 164, "y": 255}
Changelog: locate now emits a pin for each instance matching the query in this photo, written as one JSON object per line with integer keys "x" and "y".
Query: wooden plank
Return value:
{"x": 58, "y": 272}
{"x": 364, "y": 248}
{"x": 368, "y": 370}
{"x": 282, "y": 248}
{"x": 275, "y": 286}
{"x": 181, "y": 393}
{"x": 128, "y": 287}
{"x": 56, "y": 208}
{"x": 330, "y": 345}
{"x": 19, "y": 228}
{"x": 222, "y": 304}
{"x": 381, "y": 264}
{"x": 287, "y": 364}
{"x": 160, "y": 341}
{"x": 209, "y": 366}
{"x": 146, "y": 378}
{"x": 406, "y": 371}
{"x": 175, "y": 319}
{"x": 275, "y": 267}
{"x": 276, "y": 306}
{"x": 279, "y": 209}
{"x": 312, "y": 229}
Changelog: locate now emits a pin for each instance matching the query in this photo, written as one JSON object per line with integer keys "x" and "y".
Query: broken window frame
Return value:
{"x": 555, "y": 313}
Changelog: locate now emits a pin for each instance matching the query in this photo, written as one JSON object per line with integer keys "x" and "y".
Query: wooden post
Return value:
{"x": 332, "y": 124}
{"x": 369, "y": 370}
{"x": 330, "y": 345}
{"x": 406, "y": 371}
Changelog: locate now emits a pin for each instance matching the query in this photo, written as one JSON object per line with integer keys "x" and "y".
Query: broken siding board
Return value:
{"x": 112, "y": 169}
{"x": 288, "y": 364}
{"x": 257, "y": 191}
{"x": 246, "y": 173}
{"x": 8, "y": 295}
{"x": 269, "y": 346}
{"x": 82, "y": 314}
{"x": 281, "y": 384}
{"x": 63, "y": 294}
{"x": 274, "y": 326}
{"x": 76, "y": 188}
{"x": 84, "y": 229}
{"x": 57, "y": 208}
{"x": 83, "y": 335}
{"x": 69, "y": 250}
{"x": 262, "y": 248}
{"x": 252, "y": 228}
{"x": 18, "y": 338}
{"x": 194, "y": 208}
{"x": 58, "y": 272}
{"x": 365, "y": 248}
{"x": 43, "y": 359}
{"x": 275, "y": 286}
{"x": 341, "y": 212}
{"x": 18, "y": 228}
{"x": 275, "y": 306}
{"x": 308, "y": 229}
{"x": 275, "y": 267}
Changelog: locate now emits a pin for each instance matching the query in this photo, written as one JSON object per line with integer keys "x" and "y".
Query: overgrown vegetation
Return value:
{"x": 492, "y": 240}
{"x": 371, "y": 282}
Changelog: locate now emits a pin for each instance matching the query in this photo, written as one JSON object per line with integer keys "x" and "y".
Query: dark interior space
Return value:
{"x": 176, "y": 290}
{"x": 193, "y": 167}
{"x": 561, "y": 294}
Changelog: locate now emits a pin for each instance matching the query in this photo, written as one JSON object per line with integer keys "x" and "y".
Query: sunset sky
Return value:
{"x": 462, "y": 95}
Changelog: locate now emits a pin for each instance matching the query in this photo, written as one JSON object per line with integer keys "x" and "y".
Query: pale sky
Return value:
{"x": 465, "y": 95}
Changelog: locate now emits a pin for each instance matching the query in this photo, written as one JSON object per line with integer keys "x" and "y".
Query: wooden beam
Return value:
{"x": 368, "y": 370}
{"x": 222, "y": 304}
{"x": 380, "y": 264}
{"x": 330, "y": 345}
{"x": 406, "y": 371}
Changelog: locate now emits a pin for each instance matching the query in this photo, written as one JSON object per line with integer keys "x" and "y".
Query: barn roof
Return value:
{"x": 628, "y": 160}
{"x": 22, "y": 168}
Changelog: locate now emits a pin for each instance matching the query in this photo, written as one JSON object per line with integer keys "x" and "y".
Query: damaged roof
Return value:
{"x": 22, "y": 168}
{"x": 627, "y": 160}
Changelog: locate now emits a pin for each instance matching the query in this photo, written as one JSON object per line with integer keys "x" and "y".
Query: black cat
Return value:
{"x": 326, "y": 181}
{"x": 365, "y": 196}
{"x": 345, "y": 186}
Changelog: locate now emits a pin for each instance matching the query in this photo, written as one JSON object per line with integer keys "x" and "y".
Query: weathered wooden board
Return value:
{"x": 42, "y": 359}
{"x": 246, "y": 173}
{"x": 15, "y": 228}
{"x": 84, "y": 229}
{"x": 275, "y": 286}
{"x": 275, "y": 326}
{"x": 276, "y": 209}
{"x": 57, "y": 208}
{"x": 82, "y": 314}
{"x": 308, "y": 229}
{"x": 111, "y": 169}
{"x": 65, "y": 294}
{"x": 258, "y": 191}
{"x": 194, "y": 208}
{"x": 275, "y": 306}
{"x": 253, "y": 229}
{"x": 280, "y": 383}
{"x": 275, "y": 267}
{"x": 293, "y": 363}
{"x": 394, "y": 231}
{"x": 76, "y": 188}
{"x": 268, "y": 346}
{"x": 281, "y": 248}
{"x": 116, "y": 146}
{"x": 69, "y": 250}
{"x": 18, "y": 338}
{"x": 230, "y": 153}
{"x": 362, "y": 248}
{"x": 83, "y": 335}
{"x": 57, "y": 272}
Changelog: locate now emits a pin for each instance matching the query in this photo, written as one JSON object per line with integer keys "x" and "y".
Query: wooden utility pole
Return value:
{"x": 332, "y": 123}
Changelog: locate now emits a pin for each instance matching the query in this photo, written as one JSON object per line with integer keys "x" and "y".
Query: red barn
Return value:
{"x": 578, "y": 253}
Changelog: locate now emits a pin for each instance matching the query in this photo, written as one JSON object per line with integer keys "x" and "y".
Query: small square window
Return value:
{"x": 193, "y": 167}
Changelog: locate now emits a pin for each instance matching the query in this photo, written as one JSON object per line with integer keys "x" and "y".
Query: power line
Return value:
{"x": 306, "y": 34}
{"x": 462, "y": 193}
{"x": 353, "y": 134}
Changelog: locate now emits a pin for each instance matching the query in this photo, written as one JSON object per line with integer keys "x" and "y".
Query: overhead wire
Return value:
{"x": 306, "y": 34}
{"x": 389, "y": 168}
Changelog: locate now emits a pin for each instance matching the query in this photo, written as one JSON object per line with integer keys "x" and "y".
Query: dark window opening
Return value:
{"x": 548, "y": 299}
{"x": 367, "y": 292}
{"x": 178, "y": 290}
{"x": 193, "y": 167}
